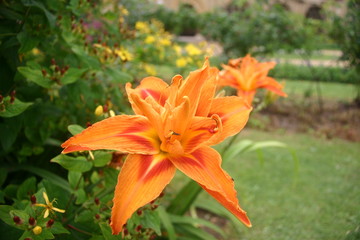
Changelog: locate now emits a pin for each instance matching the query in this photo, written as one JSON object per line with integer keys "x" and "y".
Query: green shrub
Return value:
{"x": 324, "y": 74}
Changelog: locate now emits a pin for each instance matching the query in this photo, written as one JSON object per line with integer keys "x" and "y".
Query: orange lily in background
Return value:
{"x": 247, "y": 75}
{"x": 173, "y": 128}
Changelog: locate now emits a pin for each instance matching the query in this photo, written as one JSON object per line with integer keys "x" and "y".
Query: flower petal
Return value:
{"x": 201, "y": 130}
{"x": 141, "y": 180}
{"x": 151, "y": 87}
{"x": 272, "y": 85}
{"x": 234, "y": 113}
{"x": 130, "y": 134}
{"x": 46, "y": 198}
{"x": 203, "y": 166}
{"x": 46, "y": 213}
{"x": 58, "y": 210}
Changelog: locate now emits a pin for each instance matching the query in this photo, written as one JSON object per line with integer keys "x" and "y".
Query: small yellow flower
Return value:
{"x": 192, "y": 50}
{"x": 181, "y": 62}
{"x": 149, "y": 39}
{"x": 123, "y": 11}
{"x": 37, "y": 230}
{"x": 165, "y": 41}
{"x": 48, "y": 207}
{"x": 177, "y": 49}
{"x": 99, "y": 110}
{"x": 149, "y": 69}
{"x": 142, "y": 27}
{"x": 124, "y": 54}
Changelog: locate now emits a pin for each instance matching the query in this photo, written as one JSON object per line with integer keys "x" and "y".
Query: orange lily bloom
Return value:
{"x": 173, "y": 128}
{"x": 247, "y": 74}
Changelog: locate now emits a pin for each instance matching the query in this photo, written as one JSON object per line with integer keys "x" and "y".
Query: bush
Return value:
{"x": 324, "y": 74}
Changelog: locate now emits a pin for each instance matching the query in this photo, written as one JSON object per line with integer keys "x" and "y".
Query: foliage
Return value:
{"x": 318, "y": 73}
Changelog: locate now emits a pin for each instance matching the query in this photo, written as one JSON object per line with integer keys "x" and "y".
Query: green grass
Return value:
{"x": 319, "y": 200}
{"x": 333, "y": 91}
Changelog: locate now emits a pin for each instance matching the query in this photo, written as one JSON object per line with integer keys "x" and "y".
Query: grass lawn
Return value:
{"x": 319, "y": 200}
{"x": 333, "y": 91}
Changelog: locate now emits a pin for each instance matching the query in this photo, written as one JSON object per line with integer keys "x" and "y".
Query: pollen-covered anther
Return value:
{"x": 171, "y": 135}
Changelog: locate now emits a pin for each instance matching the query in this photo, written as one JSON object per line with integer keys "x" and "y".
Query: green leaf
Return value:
{"x": 9, "y": 130}
{"x": 27, "y": 188}
{"x": 106, "y": 231}
{"x": 74, "y": 179}
{"x": 58, "y": 228}
{"x": 27, "y": 41}
{"x": 76, "y": 164}
{"x": 13, "y": 109}
{"x": 80, "y": 196}
{"x": 102, "y": 158}
{"x": 72, "y": 75}
{"x": 75, "y": 129}
{"x": 85, "y": 216}
{"x": 5, "y": 214}
{"x": 36, "y": 76}
{"x": 53, "y": 178}
{"x": 3, "y": 175}
{"x": 184, "y": 198}
{"x": 196, "y": 222}
{"x": 194, "y": 233}
{"x": 117, "y": 76}
{"x": 51, "y": 18}
{"x": 152, "y": 220}
{"x": 166, "y": 221}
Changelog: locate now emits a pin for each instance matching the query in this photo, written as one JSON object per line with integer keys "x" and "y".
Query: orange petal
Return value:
{"x": 131, "y": 134}
{"x": 203, "y": 166}
{"x": 201, "y": 130}
{"x": 234, "y": 114}
{"x": 227, "y": 79}
{"x": 141, "y": 180}
{"x": 192, "y": 86}
{"x": 150, "y": 87}
{"x": 207, "y": 93}
{"x": 272, "y": 85}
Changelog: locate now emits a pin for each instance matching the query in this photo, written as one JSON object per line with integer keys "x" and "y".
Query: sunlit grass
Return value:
{"x": 319, "y": 199}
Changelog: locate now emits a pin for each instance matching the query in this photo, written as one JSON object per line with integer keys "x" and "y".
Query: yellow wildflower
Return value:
{"x": 192, "y": 50}
{"x": 124, "y": 54}
{"x": 181, "y": 62}
{"x": 165, "y": 41}
{"x": 149, "y": 39}
{"x": 177, "y": 49}
{"x": 142, "y": 27}
{"x": 149, "y": 69}
{"x": 48, "y": 206}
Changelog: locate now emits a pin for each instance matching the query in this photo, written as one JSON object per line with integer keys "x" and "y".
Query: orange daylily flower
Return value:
{"x": 173, "y": 128}
{"x": 247, "y": 74}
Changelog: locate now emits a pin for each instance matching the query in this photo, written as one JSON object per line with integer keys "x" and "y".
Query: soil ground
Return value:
{"x": 332, "y": 120}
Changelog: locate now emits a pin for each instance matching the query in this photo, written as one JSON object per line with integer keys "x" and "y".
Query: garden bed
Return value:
{"x": 334, "y": 120}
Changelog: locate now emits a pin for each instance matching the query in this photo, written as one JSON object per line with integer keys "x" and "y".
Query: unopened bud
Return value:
{"x": 37, "y": 230}
{"x": 32, "y": 221}
{"x": 99, "y": 110}
{"x": 97, "y": 216}
{"x": 53, "y": 62}
{"x": 153, "y": 207}
{"x": 43, "y": 71}
{"x": 50, "y": 223}
{"x": 33, "y": 199}
{"x": 139, "y": 212}
{"x": 138, "y": 228}
{"x": 1, "y": 98}
{"x": 57, "y": 68}
{"x": 17, "y": 220}
{"x": 97, "y": 201}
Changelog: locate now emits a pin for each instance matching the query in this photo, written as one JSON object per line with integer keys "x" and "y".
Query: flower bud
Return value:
{"x": 43, "y": 71}
{"x": 138, "y": 228}
{"x": 53, "y": 62}
{"x": 17, "y": 220}
{"x": 139, "y": 212}
{"x": 1, "y": 98}
{"x": 37, "y": 230}
{"x": 97, "y": 201}
{"x": 50, "y": 223}
{"x": 32, "y": 221}
{"x": 33, "y": 199}
{"x": 99, "y": 110}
